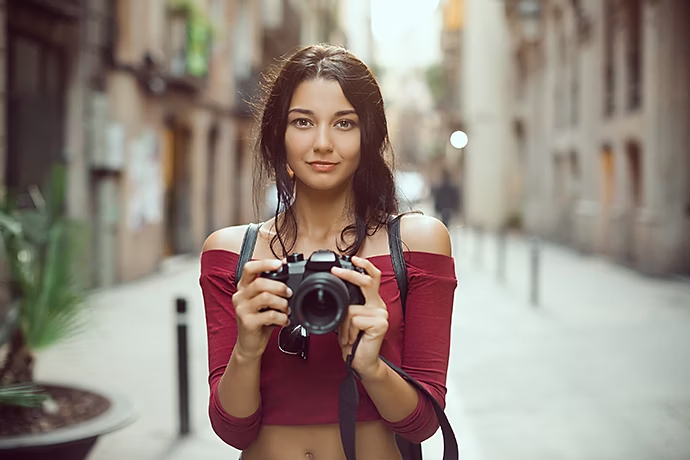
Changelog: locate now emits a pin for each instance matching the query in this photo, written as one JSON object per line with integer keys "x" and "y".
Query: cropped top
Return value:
{"x": 295, "y": 391}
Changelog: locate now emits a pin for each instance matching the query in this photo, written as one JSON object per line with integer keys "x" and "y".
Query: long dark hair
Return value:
{"x": 373, "y": 185}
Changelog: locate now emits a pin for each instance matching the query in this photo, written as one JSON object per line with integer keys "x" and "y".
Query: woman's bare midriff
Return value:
{"x": 321, "y": 442}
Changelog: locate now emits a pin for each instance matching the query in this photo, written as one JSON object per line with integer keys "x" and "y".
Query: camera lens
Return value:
{"x": 321, "y": 302}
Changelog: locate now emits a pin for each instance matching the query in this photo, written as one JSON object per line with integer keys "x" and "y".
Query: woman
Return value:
{"x": 323, "y": 137}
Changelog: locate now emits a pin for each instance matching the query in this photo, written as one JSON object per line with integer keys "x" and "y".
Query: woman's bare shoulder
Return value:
{"x": 228, "y": 239}
{"x": 425, "y": 234}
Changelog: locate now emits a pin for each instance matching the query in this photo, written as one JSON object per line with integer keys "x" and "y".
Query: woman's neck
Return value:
{"x": 320, "y": 215}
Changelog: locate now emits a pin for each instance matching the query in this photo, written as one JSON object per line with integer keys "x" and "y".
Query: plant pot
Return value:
{"x": 73, "y": 442}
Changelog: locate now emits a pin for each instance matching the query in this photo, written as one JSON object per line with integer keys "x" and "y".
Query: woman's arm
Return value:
{"x": 236, "y": 334}
{"x": 404, "y": 408}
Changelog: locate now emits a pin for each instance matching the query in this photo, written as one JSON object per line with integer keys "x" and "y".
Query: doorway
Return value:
{"x": 607, "y": 190}
{"x": 211, "y": 180}
{"x": 238, "y": 183}
{"x": 634, "y": 201}
{"x": 35, "y": 106}
{"x": 177, "y": 177}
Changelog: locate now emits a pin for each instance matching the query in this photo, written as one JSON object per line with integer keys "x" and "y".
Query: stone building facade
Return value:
{"x": 150, "y": 104}
{"x": 598, "y": 114}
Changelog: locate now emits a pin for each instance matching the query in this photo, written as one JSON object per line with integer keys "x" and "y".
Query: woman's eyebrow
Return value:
{"x": 346, "y": 112}
{"x": 339, "y": 113}
{"x": 300, "y": 110}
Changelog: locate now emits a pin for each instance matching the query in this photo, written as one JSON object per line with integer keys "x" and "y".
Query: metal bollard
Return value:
{"x": 182, "y": 366}
{"x": 535, "y": 248}
{"x": 501, "y": 254}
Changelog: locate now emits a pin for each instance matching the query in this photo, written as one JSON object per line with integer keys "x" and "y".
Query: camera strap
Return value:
{"x": 348, "y": 398}
{"x": 349, "y": 394}
{"x": 247, "y": 249}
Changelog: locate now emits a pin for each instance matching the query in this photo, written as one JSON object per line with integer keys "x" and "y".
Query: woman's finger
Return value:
{"x": 368, "y": 267}
{"x": 368, "y": 284}
{"x": 369, "y": 324}
{"x": 267, "y": 300}
{"x": 260, "y": 285}
{"x": 268, "y": 318}
{"x": 254, "y": 268}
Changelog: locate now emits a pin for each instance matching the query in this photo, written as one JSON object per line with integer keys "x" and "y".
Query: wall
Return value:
{"x": 649, "y": 233}
{"x": 485, "y": 97}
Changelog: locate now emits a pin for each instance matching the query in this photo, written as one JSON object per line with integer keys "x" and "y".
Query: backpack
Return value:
{"x": 408, "y": 449}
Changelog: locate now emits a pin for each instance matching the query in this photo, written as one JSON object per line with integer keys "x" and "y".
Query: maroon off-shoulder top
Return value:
{"x": 305, "y": 392}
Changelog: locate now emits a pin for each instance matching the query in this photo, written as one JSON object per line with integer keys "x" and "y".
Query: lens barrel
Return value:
{"x": 321, "y": 302}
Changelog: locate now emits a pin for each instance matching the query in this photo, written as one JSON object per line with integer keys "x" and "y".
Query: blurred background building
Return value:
{"x": 150, "y": 104}
{"x": 578, "y": 114}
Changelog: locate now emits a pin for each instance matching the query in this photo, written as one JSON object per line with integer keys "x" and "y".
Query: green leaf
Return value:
{"x": 25, "y": 395}
{"x": 44, "y": 262}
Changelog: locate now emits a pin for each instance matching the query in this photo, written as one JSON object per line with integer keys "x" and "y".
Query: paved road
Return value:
{"x": 600, "y": 370}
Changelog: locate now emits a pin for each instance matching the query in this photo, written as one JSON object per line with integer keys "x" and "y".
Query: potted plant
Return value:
{"x": 40, "y": 248}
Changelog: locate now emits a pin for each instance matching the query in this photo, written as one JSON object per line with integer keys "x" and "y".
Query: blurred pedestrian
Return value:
{"x": 447, "y": 198}
{"x": 274, "y": 383}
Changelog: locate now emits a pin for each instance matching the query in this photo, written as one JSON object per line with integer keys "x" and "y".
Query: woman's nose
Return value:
{"x": 323, "y": 142}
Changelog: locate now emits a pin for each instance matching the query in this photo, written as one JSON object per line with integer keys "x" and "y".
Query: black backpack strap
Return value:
{"x": 409, "y": 450}
{"x": 248, "y": 243}
{"x": 347, "y": 414}
{"x": 397, "y": 258}
{"x": 450, "y": 443}
{"x": 349, "y": 393}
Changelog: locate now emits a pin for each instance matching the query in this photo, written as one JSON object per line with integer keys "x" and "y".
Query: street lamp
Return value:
{"x": 459, "y": 140}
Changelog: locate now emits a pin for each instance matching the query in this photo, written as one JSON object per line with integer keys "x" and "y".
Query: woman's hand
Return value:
{"x": 372, "y": 318}
{"x": 260, "y": 304}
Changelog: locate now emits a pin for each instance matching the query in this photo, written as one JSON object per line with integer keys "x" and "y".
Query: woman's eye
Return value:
{"x": 345, "y": 124}
{"x": 302, "y": 123}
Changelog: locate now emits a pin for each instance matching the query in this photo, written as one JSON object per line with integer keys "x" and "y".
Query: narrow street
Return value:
{"x": 598, "y": 370}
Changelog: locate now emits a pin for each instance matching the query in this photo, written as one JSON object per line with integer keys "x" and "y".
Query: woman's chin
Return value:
{"x": 324, "y": 185}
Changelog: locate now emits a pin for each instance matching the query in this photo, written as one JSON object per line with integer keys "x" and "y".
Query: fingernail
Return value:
{"x": 289, "y": 311}
{"x": 289, "y": 292}
{"x": 337, "y": 269}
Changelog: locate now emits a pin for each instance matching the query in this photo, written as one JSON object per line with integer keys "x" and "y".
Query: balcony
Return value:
{"x": 184, "y": 64}
{"x": 188, "y": 48}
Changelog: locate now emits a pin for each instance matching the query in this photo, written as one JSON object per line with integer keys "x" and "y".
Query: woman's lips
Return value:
{"x": 322, "y": 166}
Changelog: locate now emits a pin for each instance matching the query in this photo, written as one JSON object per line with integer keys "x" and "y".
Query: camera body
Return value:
{"x": 319, "y": 299}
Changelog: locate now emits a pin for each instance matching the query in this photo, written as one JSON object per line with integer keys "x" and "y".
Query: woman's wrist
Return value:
{"x": 378, "y": 372}
{"x": 243, "y": 359}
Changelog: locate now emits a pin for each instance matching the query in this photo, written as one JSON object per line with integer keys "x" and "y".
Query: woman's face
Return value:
{"x": 322, "y": 137}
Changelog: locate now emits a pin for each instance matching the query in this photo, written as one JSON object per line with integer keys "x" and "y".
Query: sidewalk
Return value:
{"x": 131, "y": 349}
{"x": 598, "y": 371}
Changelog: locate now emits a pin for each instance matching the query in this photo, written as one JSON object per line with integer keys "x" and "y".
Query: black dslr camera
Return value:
{"x": 319, "y": 299}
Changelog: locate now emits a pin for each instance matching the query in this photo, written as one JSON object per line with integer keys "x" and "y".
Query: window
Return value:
{"x": 560, "y": 60}
{"x": 635, "y": 174}
{"x": 189, "y": 41}
{"x": 575, "y": 85}
{"x": 634, "y": 54}
{"x": 607, "y": 177}
{"x": 575, "y": 174}
{"x": 609, "y": 75}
